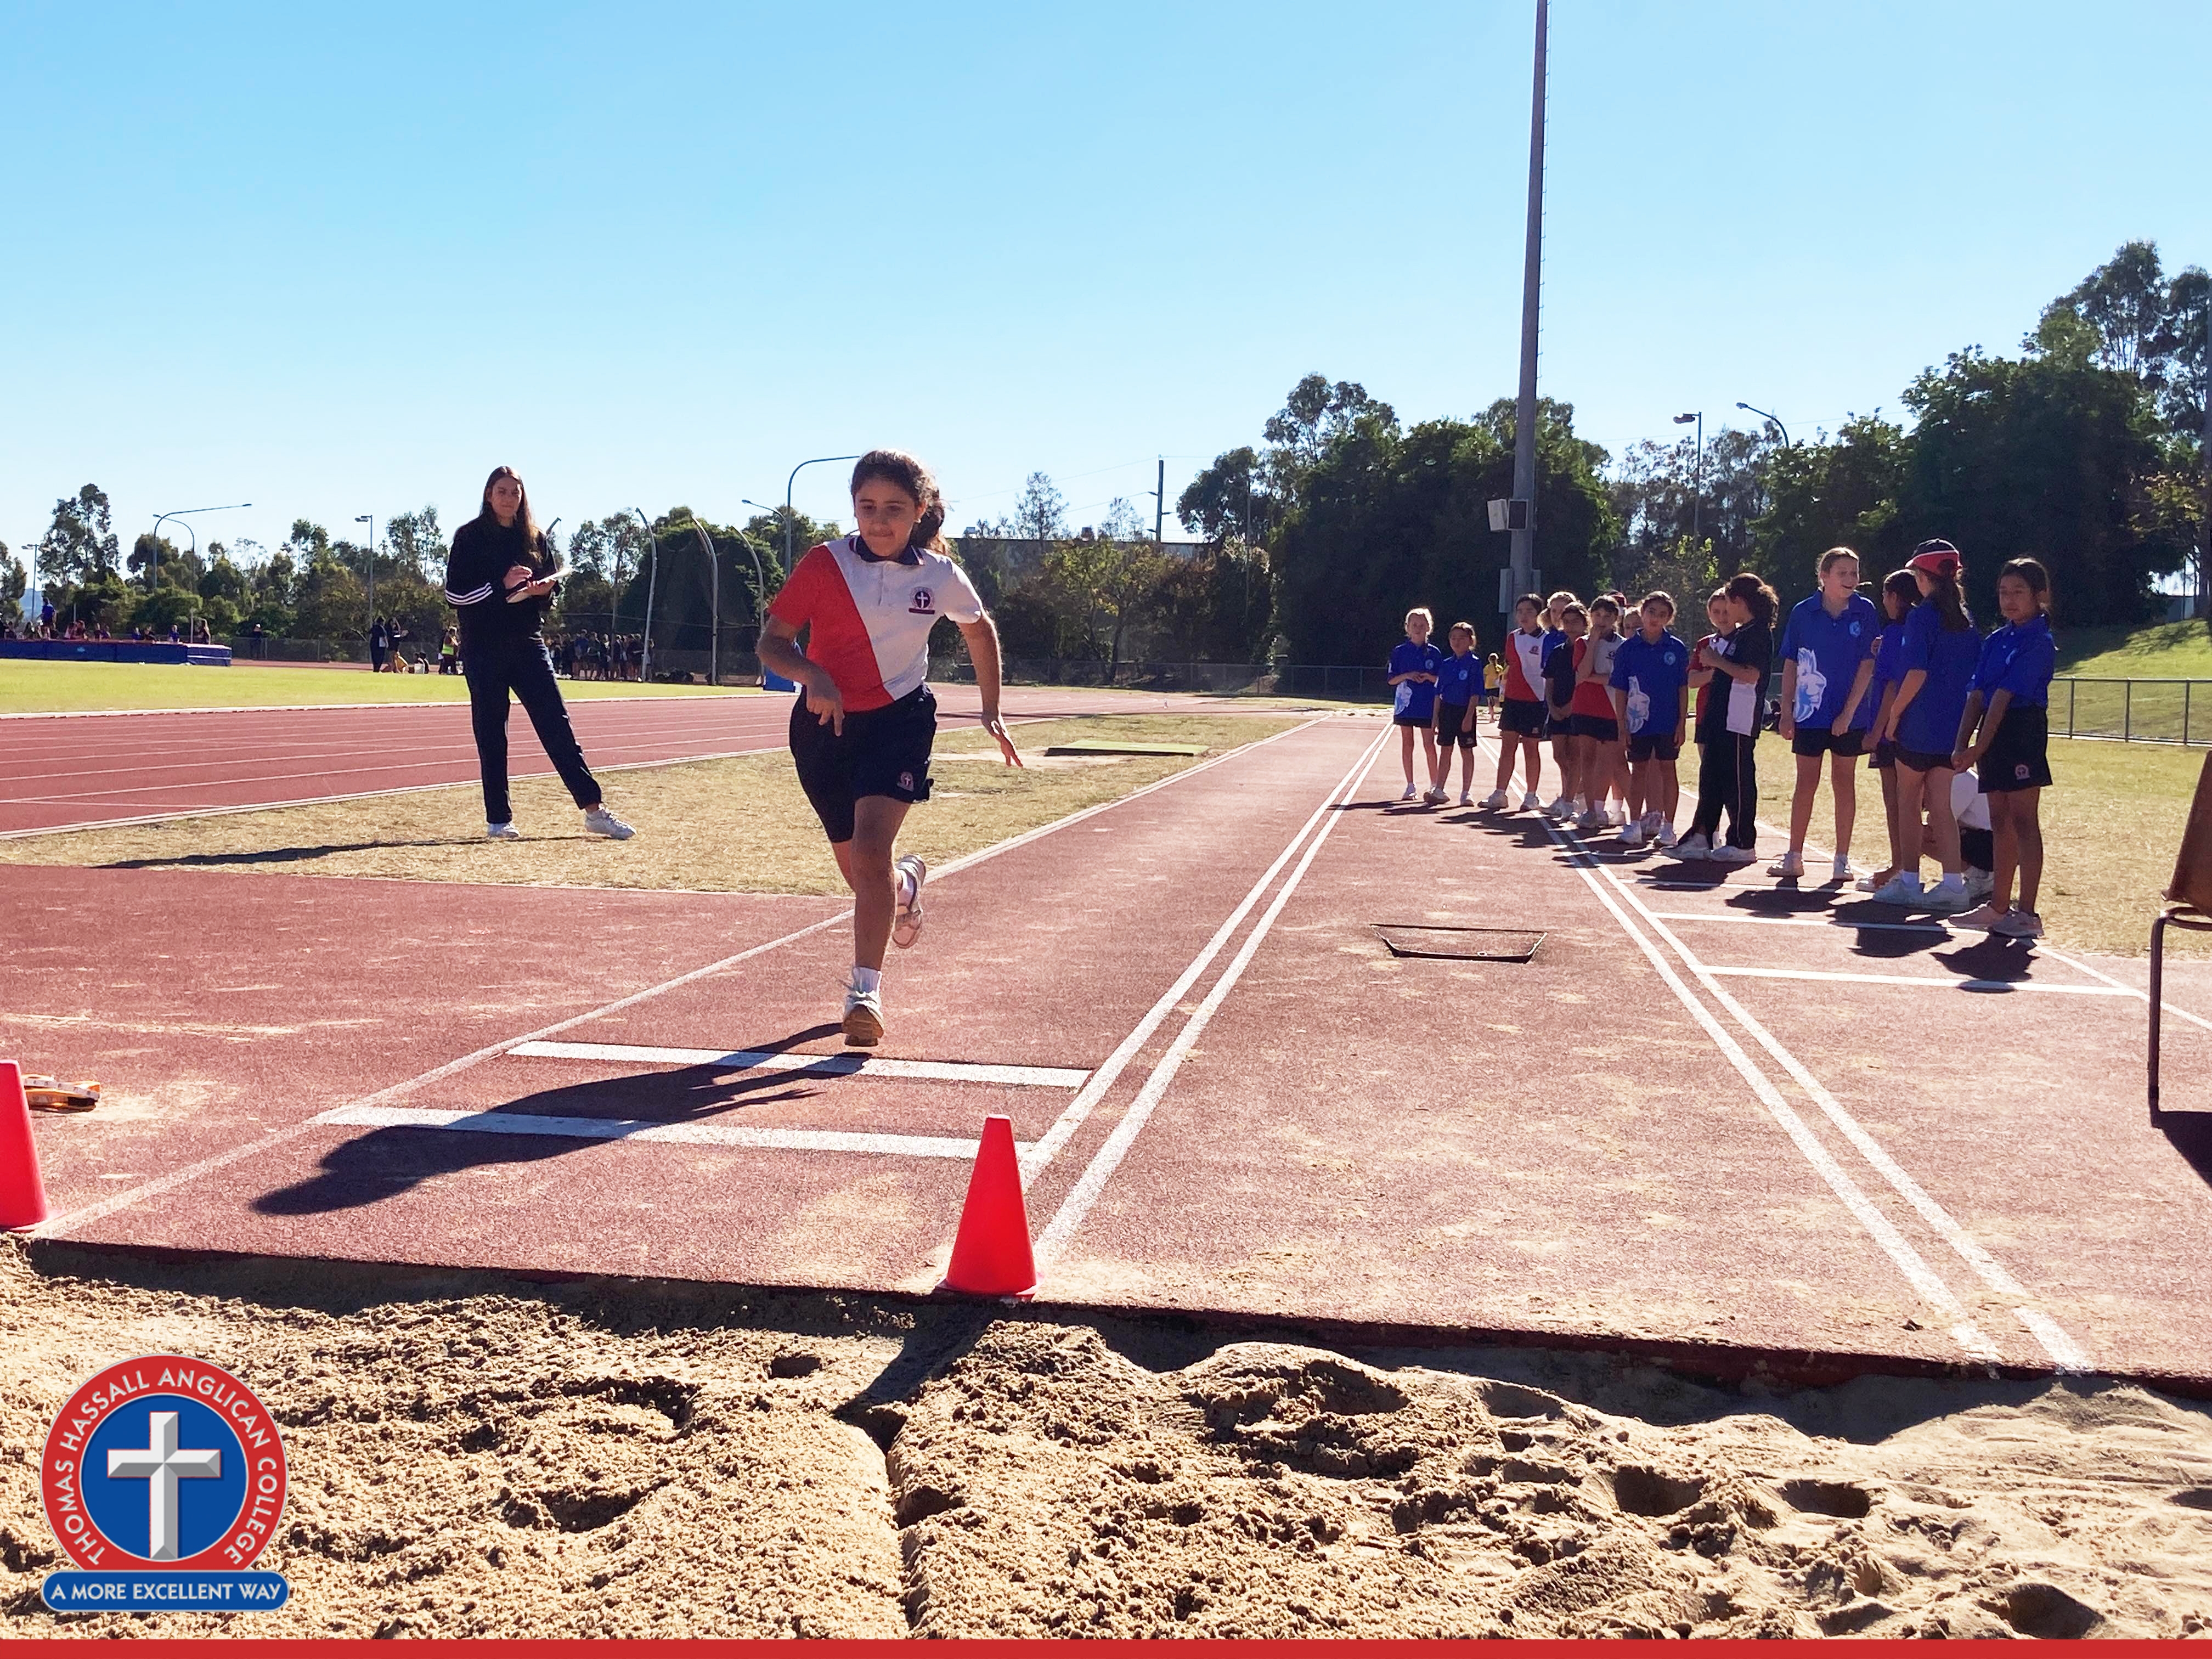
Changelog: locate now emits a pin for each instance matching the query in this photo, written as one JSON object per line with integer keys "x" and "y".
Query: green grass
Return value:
{"x": 2180, "y": 650}
{"x": 50, "y": 687}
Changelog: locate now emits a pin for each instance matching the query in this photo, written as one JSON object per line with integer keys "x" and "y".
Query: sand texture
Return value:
{"x": 474, "y": 1455}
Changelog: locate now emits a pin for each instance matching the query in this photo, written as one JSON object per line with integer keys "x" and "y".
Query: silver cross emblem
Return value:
{"x": 160, "y": 1465}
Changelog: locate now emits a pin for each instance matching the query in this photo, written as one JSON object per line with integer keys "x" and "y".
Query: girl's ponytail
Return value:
{"x": 1950, "y": 603}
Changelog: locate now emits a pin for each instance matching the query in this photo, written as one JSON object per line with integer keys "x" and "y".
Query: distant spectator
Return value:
{"x": 379, "y": 645}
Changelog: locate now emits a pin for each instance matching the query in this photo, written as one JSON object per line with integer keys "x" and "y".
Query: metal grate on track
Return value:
{"x": 1459, "y": 944}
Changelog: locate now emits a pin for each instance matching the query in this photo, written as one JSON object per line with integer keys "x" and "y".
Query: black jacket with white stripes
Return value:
{"x": 484, "y": 551}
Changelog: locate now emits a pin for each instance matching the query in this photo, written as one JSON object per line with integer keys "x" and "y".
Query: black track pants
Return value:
{"x": 1727, "y": 778}
{"x": 494, "y": 668}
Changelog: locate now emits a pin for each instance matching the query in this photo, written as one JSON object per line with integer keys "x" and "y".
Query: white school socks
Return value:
{"x": 868, "y": 979}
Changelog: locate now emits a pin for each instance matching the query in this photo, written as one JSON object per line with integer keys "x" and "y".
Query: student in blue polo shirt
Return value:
{"x": 1827, "y": 660}
{"x": 1413, "y": 665}
{"x": 1940, "y": 652}
{"x": 1650, "y": 685}
{"x": 1459, "y": 692}
{"x": 1900, "y": 591}
{"x": 2010, "y": 703}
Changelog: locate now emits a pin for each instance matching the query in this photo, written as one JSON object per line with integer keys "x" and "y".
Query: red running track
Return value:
{"x": 72, "y": 771}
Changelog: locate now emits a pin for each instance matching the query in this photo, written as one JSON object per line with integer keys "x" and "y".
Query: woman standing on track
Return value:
{"x": 864, "y": 723}
{"x": 500, "y": 575}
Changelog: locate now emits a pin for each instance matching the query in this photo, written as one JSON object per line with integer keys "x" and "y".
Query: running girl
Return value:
{"x": 1597, "y": 731}
{"x": 1939, "y": 656}
{"x": 1493, "y": 681}
{"x": 1728, "y": 776}
{"x": 1560, "y": 695}
{"x": 2010, "y": 703}
{"x": 1459, "y": 693}
{"x": 1413, "y": 665}
{"x": 1650, "y": 686}
{"x": 1827, "y": 660}
{"x": 864, "y": 723}
{"x": 1900, "y": 591}
{"x": 1521, "y": 719}
{"x": 498, "y": 578}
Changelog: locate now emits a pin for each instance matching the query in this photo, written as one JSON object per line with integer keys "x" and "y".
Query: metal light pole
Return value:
{"x": 369, "y": 519}
{"x": 714, "y": 576}
{"x": 652, "y": 577}
{"x": 1525, "y": 419}
{"x": 1764, "y": 416}
{"x": 816, "y": 461}
{"x": 1697, "y": 475}
{"x": 154, "y": 559}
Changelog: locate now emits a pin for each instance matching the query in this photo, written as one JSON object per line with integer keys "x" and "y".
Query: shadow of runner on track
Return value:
{"x": 385, "y": 1163}
{"x": 295, "y": 854}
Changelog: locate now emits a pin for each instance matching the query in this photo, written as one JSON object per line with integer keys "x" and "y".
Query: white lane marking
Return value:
{"x": 1092, "y": 1183}
{"x": 1103, "y": 1078}
{"x": 1802, "y": 922}
{"x": 2121, "y": 986}
{"x": 613, "y": 1128}
{"x": 1908, "y": 1260}
{"x": 1983, "y": 986}
{"x": 448, "y": 704}
{"x": 847, "y": 1065}
{"x": 2066, "y": 1353}
{"x": 85, "y": 1215}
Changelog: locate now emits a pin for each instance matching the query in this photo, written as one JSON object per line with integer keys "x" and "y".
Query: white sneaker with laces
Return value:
{"x": 1411, "y": 794}
{"x": 1467, "y": 798}
{"x": 1841, "y": 869}
{"x": 2019, "y": 924}
{"x": 864, "y": 1017}
{"x": 1692, "y": 845}
{"x": 1732, "y": 854}
{"x": 1561, "y": 807}
{"x": 1633, "y": 834}
{"x": 600, "y": 822}
{"x": 1496, "y": 799}
{"x": 1788, "y": 865}
{"x": 1986, "y": 917}
{"x": 1899, "y": 889}
{"x": 1947, "y": 898}
{"x": 1593, "y": 819}
{"x": 1664, "y": 835}
{"x": 501, "y": 832}
{"x": 1531, "y": 802}
{"x": 1433, "y": 796}
{"x": 906, "y": 924}
{"x": 1980, "y": 883}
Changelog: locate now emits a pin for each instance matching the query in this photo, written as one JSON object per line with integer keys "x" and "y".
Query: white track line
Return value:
{"x": 1908, "y": 1260}
{"x": 2066, "y": 1353}
{"x": 85, "y": 1215}
{"x": 447, "y": 703}
{"x": 629, "y": 1129}
{"x": 1103, "y": 1078}
{"x": 844, "y": 1065}
{"x": 1983, "y": 987}
{"x": 1802, "y": 921}
{"x": 1092, "y": 1183}
{"x": 2122, "y": 985}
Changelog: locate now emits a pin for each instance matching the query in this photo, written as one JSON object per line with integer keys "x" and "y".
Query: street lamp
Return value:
{"x": 154, "y": 559}
{"x": 1764, "y": 416}
{"x": 714, "y": 575}
{"x": 816, "y": 461}
{"x": 1697, "y": 475}
{"x": 369, "y": 519}
{"x": 652, "y": 578}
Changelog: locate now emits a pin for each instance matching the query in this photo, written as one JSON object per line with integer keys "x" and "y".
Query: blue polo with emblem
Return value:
{"x": 1653, "y": 673}
{"x": 1459, "y": 680}
{"x": 2019, "y": 658}
{"x": 1416, "y": 699}
{"x": 1828, "y": 650}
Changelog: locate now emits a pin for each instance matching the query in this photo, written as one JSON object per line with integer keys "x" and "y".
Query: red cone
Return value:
{"x": 22, "y": 1194}
{"x": 991, "y": 1252}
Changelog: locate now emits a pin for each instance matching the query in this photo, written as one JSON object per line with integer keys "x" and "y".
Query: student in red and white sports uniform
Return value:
{"x": 1521, "y": 720}
{"x": 864, "y": 723}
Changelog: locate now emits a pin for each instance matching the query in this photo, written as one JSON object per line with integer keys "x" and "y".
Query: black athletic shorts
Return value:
{"x": 1819, "y": 740}
{"x": 1521, "y": 718}
{"x": 2019, "y": 756}
{"x": 1603, "y": 728}
{"x": 1977, "y": 849}
{"x": 1654, "y": 746}
{"x": 1921, "y": 761}
{"x": 1449, "y": 729}
{"x": 1882, "y": 756}
{"x": 882, "y": 751}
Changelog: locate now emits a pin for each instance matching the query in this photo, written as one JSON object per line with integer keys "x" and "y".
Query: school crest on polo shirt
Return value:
{"x": 923, "y": 603}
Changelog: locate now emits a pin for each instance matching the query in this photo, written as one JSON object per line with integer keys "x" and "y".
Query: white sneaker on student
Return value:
{"x": 1561, "y": 807}
{"x": 1980, "y": 883}
{"x": 1592, "y": 819}
{"x": 1902, "y": 889}
{"x": 1732, "y": 854}
{"x": 1531, "y": 802}
{"x": 2020, "y": 923}
{"x": 906, "y": 923}
{"x": 600, "y": 822}
{"x": 1664, "y": 835}
{"x": 1467, "y": 798}
{"x": 1986, "y": 917}
{"x": 1411, "y": 794}
{"x": 1496, "y": 799}
{"x": 1841, "y": 869}
{"x": 1434, "y": 797}
{"x": 1789, "y": 864}
{"x": 501, "y": 832}
{"x": 864, "y": 1017}
{"x": 1692, "y": 845}
{"x": 1633, "y": 834}
{"x": 1947, "y": 898}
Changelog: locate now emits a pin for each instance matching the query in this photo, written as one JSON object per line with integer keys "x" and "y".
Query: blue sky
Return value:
{"x": 337, "y": 261}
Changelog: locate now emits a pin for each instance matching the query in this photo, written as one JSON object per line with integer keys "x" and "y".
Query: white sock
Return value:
{"x": 868, "y": 979}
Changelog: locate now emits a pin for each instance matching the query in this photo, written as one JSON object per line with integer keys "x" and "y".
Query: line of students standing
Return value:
{"x": 1911, "y": 685}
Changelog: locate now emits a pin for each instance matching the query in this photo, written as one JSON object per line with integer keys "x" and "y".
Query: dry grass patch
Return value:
{"x": 738, "y": 825}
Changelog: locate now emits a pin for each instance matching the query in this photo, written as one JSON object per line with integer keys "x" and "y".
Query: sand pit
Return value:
{"x": 474, "y": 1455}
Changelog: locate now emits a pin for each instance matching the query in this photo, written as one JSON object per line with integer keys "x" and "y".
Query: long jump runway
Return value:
{"x": 1682, "y": 1121}
{"x": 67, "y": 771}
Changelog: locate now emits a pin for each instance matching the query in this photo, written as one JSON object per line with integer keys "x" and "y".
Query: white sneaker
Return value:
{"x": 906, "y": 924}
{"x": 600, "y": 822}
{"x": 1980, "y": 883}
{"x": 501, "y": 832}
{"x": 1592, "y": 819}
{"x": 1945, "y": 898}
{"x": 1561, "y": 807}
{"x": 1899, "y": 889}
{"x": 1664, "y": 835}
{"x": 1788, "y": 865}
{"x": 1497, "y": 797}
{"x": 1692, "y": 845}
{"x": 1873, "y": 882}
{"x": 1467, "y": 798}
{"x": 1411, "y": 794}
{"x": 1531, "y": 802}
{"x": 1841, "y": 869}
{"x": 1633, "y": 834}
{"x": 864, "y": 1017}
{"x": 1433, "y": 796}
{"x": 1985, "y": 917}
{"x": 2020, "y": 923}
{"x": 1733, "y": 854}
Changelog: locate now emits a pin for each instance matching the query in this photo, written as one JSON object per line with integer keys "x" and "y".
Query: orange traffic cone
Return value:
{"x": 991, "y": 1252}
{"x": 22, "y": 1194}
